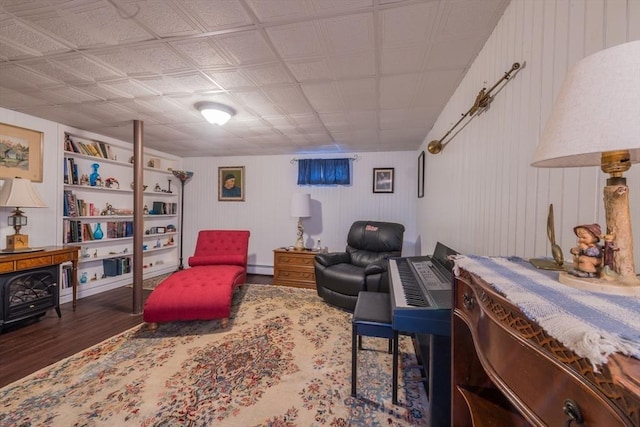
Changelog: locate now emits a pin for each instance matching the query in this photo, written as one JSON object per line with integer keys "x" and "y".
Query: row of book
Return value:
{"x": 76, "y": 232}
{"x": 95, "y": 148}
{"x": 71, "y": 175}
{"x": 73, "y": 207}
{"x": 66, "y": 279}
{"x": 164, "y": 208}
{"x": 116, "y": 266}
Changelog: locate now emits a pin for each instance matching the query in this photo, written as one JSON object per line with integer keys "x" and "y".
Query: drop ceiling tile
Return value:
{"x": 124, "y": 61}
{"x": 314, "y": 69}
{"x": 360, "y": 64}
{"x": 246, "y": 47}
{"x": 230, "y": 79}
{"x": 103, "y": 21}
{"x": 162, "y": 17}
{"x": 130, "y": 87}
{"x": 159, "y": 58}
{"x": 402, "y": 60}
{"x": 339, "y": 6}
{"x": 358, "y": 94}
{"x": 102, "y": 91}
{"x": 65, "y": 95}
{"x": 268, "y": 74}
{"x": 397, "y": 91}
{"x": 324, "y": 97}
{"x": 8, "y": 52}
{"x": 86, "y": 67}
{"x": 28, "y": 40}
{"x": 289, "y": 99}
{"x": 18, "y": 100}
{"x": 15, "y": 77}
{"x": 54, "y": 70}
{"x": 215, "y": 15}
{"x": 282, "y": 10}
{"x": 350, "y": 33}
{"x": 297, "y": 40}
{"x": 69, "y": 29}
{"x": 408, "y": 24}
{"x": 202, "y": 51}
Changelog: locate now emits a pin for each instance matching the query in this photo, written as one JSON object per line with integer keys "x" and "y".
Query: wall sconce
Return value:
{"x": 483, "y": 99}
{"x": 595, "y": 122}
{"x": 215, "y": 113}
{"x": 300, "y": 208}
{"x": 19, "y": 193}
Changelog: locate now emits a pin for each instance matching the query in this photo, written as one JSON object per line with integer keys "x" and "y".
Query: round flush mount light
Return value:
{"x": 215, "y": 113}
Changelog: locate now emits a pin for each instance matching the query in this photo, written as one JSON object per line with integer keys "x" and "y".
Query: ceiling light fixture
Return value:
{"x": 215, "y": 113}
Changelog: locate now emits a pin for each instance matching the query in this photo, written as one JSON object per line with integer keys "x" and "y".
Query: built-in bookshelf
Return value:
{"x": 97, "y": 205}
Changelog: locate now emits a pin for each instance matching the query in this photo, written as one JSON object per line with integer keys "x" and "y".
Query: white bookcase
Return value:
{"x": 107, "y": 262}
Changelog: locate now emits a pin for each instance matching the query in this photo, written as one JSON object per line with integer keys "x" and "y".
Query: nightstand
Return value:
{"x": 294, "y": 268}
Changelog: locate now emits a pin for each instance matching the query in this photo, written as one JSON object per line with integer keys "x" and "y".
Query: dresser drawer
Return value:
{"x": 291, "y": 268}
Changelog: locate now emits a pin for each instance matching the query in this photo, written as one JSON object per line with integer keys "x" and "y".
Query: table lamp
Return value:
{"x": 19, "y": 193}
{"x": 595, "y": 121}
{"x": 300, "y": 208}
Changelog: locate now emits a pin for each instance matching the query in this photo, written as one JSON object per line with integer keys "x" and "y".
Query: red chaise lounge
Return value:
{"x": 204, "y": 291}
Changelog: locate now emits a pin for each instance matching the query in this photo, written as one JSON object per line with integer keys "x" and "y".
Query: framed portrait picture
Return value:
{"x": 22, "y": 153}
{"x": 383, "y": 180}
{"x": 421, "y": 175}
{"x": 231, "y": 183}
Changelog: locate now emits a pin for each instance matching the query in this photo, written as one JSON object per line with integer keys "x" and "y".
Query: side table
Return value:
{"x": 294, "y": 268}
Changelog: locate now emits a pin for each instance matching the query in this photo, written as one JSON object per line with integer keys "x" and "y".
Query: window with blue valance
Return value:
{"x": 323, "y": 172}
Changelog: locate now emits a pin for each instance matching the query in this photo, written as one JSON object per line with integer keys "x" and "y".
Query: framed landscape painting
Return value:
{"x": 20, "y": 153}
{"x": 231, "y": 183}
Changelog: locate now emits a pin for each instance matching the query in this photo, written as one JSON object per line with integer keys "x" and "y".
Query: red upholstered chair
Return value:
{"x": 204, "y": 291}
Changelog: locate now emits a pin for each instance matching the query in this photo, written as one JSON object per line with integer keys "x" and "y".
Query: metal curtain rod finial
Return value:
{"x": 483, "y": 99}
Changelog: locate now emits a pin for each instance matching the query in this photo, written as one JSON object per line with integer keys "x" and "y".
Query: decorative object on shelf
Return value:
{"x": 144, "y": 187}
{"x": 482, "y": 102}
{"x": 84, "y": 179}
{"x": 594, "y": 122}
{"x": 108, "y": 210}
{"x": 300, "y": 208}
{"x": 111, "y": 183}
{"x": 19, "y": 193}
{"x": 183, "y": 176}
{"x": 383, "y": 180}
{"x": 97, "y": 232}
{"x": 215, "y": 113}
{"x": 85, "y": 252}
{"x": 231, "y": 184}
{"x": 556, "y": 250}
{"x": 169, "y": 180}
{"x": 145, "y": 210}
{"x": 157, "y": 188}
{"x": 84, "y": 277}
{"x": 94, "y": 178}
{"x": 26, "y": 146}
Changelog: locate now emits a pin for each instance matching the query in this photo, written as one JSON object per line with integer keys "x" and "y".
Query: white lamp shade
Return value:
{"x": 597, "y": 110}
{"x": 301, "y": 205}
{"x": 217, "y": 114}
{"x": 20, "y": 193}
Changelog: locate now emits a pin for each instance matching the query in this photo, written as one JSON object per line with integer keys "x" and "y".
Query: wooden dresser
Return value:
{"x": 508, "y": 371}
{"x": 294, "y": 268}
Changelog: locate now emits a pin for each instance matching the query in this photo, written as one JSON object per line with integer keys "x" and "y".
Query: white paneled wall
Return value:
{"x": 270, "y": 182}
{"x": 482, "y": 195}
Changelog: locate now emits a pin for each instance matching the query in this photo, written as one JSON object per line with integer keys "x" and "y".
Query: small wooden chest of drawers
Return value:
{"x": 294, "y": 268}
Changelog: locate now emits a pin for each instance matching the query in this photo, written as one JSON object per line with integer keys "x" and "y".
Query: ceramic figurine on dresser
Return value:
{"x": 587, "y": 254}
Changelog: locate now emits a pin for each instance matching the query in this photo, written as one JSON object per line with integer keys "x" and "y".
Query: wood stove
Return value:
{"x": 29, "y": 294}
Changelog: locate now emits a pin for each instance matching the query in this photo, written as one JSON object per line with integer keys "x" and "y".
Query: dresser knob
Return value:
{"x": 468, "y": 301}
{"x": 573, "y": 412}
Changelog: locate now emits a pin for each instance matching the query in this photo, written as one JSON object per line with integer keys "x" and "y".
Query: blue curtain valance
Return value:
{"x": 323, "y": 172}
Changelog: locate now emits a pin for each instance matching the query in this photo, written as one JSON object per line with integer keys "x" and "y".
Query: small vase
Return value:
{"x": 95, "y": 176}
{"x": 83, "y": 278}
{"x": 97, "y": 233}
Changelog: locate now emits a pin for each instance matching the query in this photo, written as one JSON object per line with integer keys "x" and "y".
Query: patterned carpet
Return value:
{"x": 285, "y": 360}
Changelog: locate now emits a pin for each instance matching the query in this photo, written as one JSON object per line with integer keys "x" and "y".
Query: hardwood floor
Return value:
{"x": 31, "y": 346}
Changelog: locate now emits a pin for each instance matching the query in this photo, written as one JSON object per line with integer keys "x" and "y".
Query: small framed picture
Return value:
{"x": 161, "y": 230}
{"x": 231, "y": 183}
{"x": 383, "y": 180}
{"x": 421, "y": 175}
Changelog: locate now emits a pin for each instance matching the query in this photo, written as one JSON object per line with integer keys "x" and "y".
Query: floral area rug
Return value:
{"x": 285, "y": 360}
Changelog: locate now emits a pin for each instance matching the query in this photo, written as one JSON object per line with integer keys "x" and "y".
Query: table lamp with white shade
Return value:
{"x": 300, "y": 208}
{"x": 596, "y": 122}
{"x": 19, "y": 193}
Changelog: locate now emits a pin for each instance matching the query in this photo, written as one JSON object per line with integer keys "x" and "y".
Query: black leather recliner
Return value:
{"x": 363, "y": 264}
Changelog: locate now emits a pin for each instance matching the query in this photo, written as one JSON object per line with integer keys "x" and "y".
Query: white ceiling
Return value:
{"x": 305, "y": 76}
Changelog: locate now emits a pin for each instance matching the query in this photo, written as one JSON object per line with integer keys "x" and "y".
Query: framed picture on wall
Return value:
{"x": 383, "y": 180}
{"x": 22, "y": 150}
{"x": 231, "y": 183}
{"x": 421, "y": 175}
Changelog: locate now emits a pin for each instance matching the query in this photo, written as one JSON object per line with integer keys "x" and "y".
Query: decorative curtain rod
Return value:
{"x": 354, "y": 158}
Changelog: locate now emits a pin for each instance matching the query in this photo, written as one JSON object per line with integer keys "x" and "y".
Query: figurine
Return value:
{"x": 608, "y": 261}
{"x": 84, "y": 179}
{"x": 587, "y": 255}
{"x": 145, "y": 210}
{"x": 95, "y": 254}
{"x": 112, "y": 183}
{"x": 157, "y": 188}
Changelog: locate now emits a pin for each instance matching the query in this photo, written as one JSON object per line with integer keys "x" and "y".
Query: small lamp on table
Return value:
{"x": 300, "y": 208}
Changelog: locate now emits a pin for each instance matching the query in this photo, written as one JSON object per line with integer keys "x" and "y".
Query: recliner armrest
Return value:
{"x": 332, "y": 258}
{"x": 376, "y": 267}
